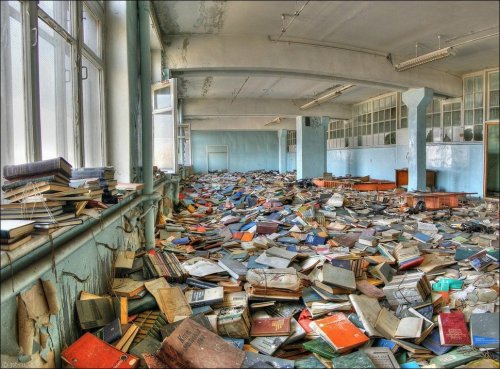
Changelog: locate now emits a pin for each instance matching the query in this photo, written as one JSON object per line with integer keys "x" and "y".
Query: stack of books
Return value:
{"x": 163, "y": 264}
{"x": 104, "y": 175}
{"x": 412, "y": 289}
{"x": 40, "y": 191}
{"x": 15, "y": 233}
{"x": 91, "y": 184}
{"x": 408, "y": 255}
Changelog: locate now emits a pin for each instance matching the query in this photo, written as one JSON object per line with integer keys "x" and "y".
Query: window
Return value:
{"x": 473, "y": 108}
{"x": 13, "y": 110}
{"x": 292, "y": 141}
{"x": 433, "y": 121}
{"x": 336, "y": 134}
{"x": 452, "y": 121}
{"x": 493, "y": 98}
{"x": 362, "y": 124}
{"x": 51, "y": 105}
{"x": 384, "y": 121}
{"x": 403, "y": 122}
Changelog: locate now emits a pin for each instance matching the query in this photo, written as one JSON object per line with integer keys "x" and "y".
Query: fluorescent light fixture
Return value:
{"x": 274, "y": 121}
{"x": 326, "y": 97}
{"x": 426, "y": 58}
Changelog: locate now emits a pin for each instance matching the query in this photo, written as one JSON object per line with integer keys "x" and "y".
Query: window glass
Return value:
{"x": 494, "y": 96}
{"x": 92, "y": 114}
{"x": 91, "y": 31}
{"x": 56, "y": 95}
{"x": 60, "y": 11}
{"x": 13, "y": 125}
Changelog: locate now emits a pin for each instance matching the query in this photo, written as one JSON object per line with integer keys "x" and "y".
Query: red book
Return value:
{"x": 340, "y": 333}
{"x": 453, "y": 329}
{"x": 91, "y": 352}
{"x": 305, "y": 321}
{"x": 267, "y": 327}
{"x": 411, "y": 264}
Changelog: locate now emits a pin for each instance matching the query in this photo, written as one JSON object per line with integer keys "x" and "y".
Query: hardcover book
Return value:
{"x": 203, "y": 297}
{"x": 340, "y": 332}
{"x": 357, "y": 359}
{"x": 267, "y": 327}
{"x": 453, "y": 329}
{"x": 55, "y": 165}
{"x": 91, "y": 352}
{"x": 193, "y": 346}
{"x": 484, "y": 330}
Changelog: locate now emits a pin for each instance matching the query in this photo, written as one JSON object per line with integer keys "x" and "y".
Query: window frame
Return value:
{"x": 31, "y": 14}
{"x": 291, "y": 140}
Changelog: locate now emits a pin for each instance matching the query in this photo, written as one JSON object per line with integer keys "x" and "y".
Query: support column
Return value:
{"x": 282, "y": 148}
{"x": 147, "y": 123}
{"x": 311, "y": 146}
{"x": 417, "y": 100}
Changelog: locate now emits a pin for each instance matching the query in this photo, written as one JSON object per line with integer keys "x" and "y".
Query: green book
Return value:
{"x": 357, "y": 359}
{"x": 459, "y": 356}
{"x": 321, "y": 347}
{"x": 308, "y": 362}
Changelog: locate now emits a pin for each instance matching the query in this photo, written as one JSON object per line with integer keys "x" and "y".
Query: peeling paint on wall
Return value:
{"x": 211, "y": 18}
{"x": 207, "y": 83}
{"x": 185, "y": 45}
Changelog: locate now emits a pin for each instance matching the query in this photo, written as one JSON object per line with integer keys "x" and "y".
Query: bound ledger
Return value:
{"x": 194, "y": 346}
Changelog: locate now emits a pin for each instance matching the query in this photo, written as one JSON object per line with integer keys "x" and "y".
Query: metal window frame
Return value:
{"x": 488, "y": 91}
{"x": 30, "y": 15}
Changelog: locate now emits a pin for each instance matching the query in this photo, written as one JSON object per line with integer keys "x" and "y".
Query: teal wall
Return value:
{"x": 248, "y": 150}
{"x": 459, "y": 166}
{"x": 291, "y": 161}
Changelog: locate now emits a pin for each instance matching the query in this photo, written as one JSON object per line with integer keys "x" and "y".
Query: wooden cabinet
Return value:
{"x": 402, "y": 178}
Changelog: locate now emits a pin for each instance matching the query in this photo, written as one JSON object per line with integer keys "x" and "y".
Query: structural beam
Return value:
{"x": 417, "y": 100}
{"x": 238, "y": 124}
{"x": 260, "y": 107}
{"x": 282, "y": 142}
{"x": 256, "y": 54}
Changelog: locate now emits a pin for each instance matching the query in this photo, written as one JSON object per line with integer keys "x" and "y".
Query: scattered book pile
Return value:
{"x": 253, "y": 271}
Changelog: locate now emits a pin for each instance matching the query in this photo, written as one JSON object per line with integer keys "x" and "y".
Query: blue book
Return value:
{"x": 382, "y": 342}
{"x": 252, "y": 264}
{"x": 346, "y": 264}
{"x": 181, "y": 241}
{"x": 236, "y": 342}
{"x": 315, "y": 240}
{"x": 433, "y": 343}
{"x": 288, "y": 240}
{"x": 274, "y": 216}
{"x": 308, "y": 362}
{"x": 292, "y": 248}
{"x": 247, "y": 226}
{"x": 310, "y": 295}
{"x": 410, "y": 365}
{"x": 422, "y": 237}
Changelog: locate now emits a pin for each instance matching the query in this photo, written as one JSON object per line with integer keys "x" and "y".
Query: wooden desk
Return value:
{"x": 402, "y": 178}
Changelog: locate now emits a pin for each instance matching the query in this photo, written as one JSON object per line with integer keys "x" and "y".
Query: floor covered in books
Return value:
{"x": 258, "y": 270}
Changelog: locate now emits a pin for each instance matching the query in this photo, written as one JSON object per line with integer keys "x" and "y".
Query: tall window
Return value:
{"x": 494, "y": 96}
{"x": 384, "y": 121}
{"x": 452, "y": 120}
{"x": 13, "y": 109}
{"x": 52, "y": 82}
{"x": 336, "y": 134}
{"x": 292, "y": 141}
{"x": 433, "y": 121}
{"x": 362, "y": 124}
{"x": 473, "y": 108}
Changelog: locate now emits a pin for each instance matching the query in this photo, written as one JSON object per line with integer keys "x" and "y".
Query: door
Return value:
{"x": 217, "y": 158}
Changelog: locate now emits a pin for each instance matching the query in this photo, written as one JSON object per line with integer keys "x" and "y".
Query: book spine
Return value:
{"x": 14, "y": 171}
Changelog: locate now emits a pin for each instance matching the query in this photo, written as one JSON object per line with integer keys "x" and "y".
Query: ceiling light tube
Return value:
{"x": 424, "y": 59}
{"x": 328, "y": 96}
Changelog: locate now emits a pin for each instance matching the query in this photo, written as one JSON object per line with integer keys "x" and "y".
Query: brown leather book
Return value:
{"x": 265, "y": 327}
{"x": 193, "y": 346}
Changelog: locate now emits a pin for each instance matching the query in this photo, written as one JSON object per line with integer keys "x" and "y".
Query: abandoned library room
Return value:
{"x": 250, "y": 184}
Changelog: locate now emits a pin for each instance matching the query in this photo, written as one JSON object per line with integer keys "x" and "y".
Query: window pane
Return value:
{"x": 494, "y": 81}
{"x": 478, "y": 116}
{"x": 56, "y": 100}
{"x": 447, "y": 119}
{"x": 469, "y": 85}
{"x": 478, "y": 133}
{"x": 92, "y": 117}
{"x": 91, "y": 31}
{"x": 13, "y": 126}
{"x": 60, "y": 11}
{"x": 478, "y": 83}
{"x": 468, "y": 101}
{"x": 478, "y": 100}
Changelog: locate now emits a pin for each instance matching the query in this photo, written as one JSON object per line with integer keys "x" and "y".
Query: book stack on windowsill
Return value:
{"x": 104, "y": 176}
{"x": 15, "y": 233}
{"x": 39, "y": 191}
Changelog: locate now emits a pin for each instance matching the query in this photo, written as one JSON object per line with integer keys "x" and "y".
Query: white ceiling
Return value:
{"x": 385, "y": 27}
